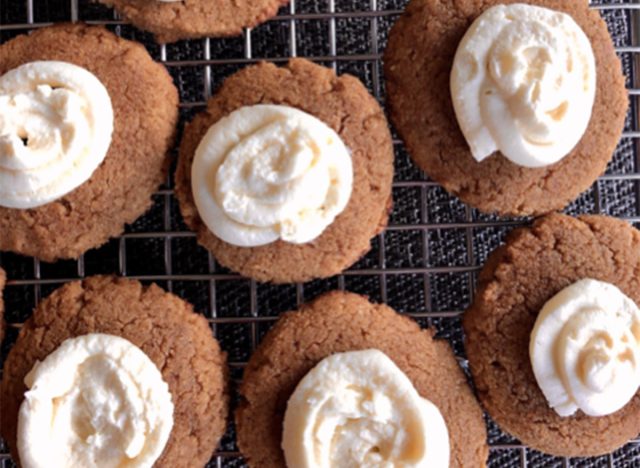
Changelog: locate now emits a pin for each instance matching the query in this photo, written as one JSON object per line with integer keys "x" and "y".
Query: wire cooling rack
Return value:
{"x": 424, "y": 265}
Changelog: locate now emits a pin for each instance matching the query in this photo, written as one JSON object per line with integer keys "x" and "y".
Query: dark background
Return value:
{"x": 424, "y": 265}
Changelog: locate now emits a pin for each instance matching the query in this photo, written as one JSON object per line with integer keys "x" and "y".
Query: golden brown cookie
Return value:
{"x": 534, "y": 265}
{"x": 165, "y": 327}
{"x": 339, "y": 322}
{"x": 344, "y": 104}
{"x": 418, "y": 62}
{"x": 145, "y": 105}
{"x": 171, "y": 21}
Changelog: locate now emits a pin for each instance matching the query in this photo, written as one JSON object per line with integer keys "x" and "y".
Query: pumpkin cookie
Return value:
{"x": 436, "y": 46}
{"x": 79, "y": 199}
{"x": 171, "y": 21}
{"x": 293, "y": 172}
{"x": 162, "y": 326}
{"x": 516, "y": 287}
{"x": 340, "y": 322}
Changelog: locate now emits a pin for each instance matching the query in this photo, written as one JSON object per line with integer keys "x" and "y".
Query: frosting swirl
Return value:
{"x": 56, "y": 122}
{"x": 269, "y": 172}
{"x": 97, "y": 400}
{"x": 523, "y": 83}
{"x": 585, "y": 349}
{"x": 359, "y": 410}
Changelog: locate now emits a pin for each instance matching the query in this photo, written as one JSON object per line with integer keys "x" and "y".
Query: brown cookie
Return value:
{"x": 534, "y": 265}
{"x": 344, "y": 104}
{"x": 339, "y": 322}
{"x": 171, "y": 21}
{"x": 3, "y": 279}
{"x": 418, "y": 62}
{"x": 165, "y": 327}
{"x": 145, "y": 105}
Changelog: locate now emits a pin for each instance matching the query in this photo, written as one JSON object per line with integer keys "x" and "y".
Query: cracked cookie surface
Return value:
{"x": 178, "y": 341}
{"x": 418, "y": 62}
{"x": 344, "y": 104}
{"x": 517, "y": 280}
{"x": 339, "y": 322}
{"x": 145, "y": 106}
{"x": 190, "y": 19}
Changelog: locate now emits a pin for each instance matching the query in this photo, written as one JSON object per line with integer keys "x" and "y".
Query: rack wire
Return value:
{"x": 424, "y": 265}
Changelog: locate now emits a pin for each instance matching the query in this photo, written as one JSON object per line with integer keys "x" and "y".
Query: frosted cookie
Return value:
{"x": 515, "y": 108}
{"x": 87, "y": 119}
{"x": 341, "y": 367}
{"x": 172, "y": 20}
{"x": 287, "y": 175}
{"x": 553, "y": 336}
{"x": 105, "y": 347}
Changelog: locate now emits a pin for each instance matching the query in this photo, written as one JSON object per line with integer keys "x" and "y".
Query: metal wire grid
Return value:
{"x": 424, "y": 265}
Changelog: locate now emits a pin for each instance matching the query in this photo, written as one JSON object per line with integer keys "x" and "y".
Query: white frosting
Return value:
{"x": 56, "y": 122}
{"x": 523, "y": 83}
{"x": 358, "y": 410}
{"x": 585, "y": 349}
{"x": 270, "y": 172}
{"x": 97, "y": 400}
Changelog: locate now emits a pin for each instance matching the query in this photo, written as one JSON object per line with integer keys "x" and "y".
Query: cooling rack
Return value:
{"x": 424, "y": 265}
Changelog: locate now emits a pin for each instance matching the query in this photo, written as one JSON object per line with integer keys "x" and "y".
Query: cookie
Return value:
{"x": 518, "y": 279}
{"x": 418, "y": 63}
{"x": 339, "y": 322}
{"x": 145, "y": 105}
{"x": 163, "y": 326}
{"x": 343, "y": 104}
{"x": 171, "y": 21}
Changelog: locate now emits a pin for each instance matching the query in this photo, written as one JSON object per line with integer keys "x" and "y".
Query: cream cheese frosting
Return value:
{"x": 523, "y": 83}
{"x": 56, "y": 122}
{"x": 97, "y": 400}
{"x": 269, "y": 172}
{"x": 585, "y": 349}
{"x": 359, "y": 410}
